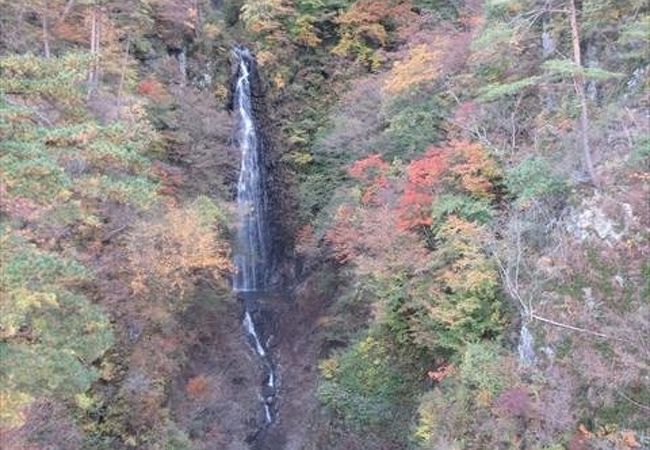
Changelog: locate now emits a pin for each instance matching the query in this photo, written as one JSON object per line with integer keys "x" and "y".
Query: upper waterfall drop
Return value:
{"x": 251, "y": 255}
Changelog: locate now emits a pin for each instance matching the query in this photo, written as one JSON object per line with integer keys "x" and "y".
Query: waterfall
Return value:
{"x": 526, "y": 347}
{"x": 252, "y": 236}
{"x": 252, "y": 246}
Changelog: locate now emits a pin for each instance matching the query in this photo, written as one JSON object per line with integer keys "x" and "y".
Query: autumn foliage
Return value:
{"x": 473, "y": 168}
{"x": 442, "y": 212}
{"x": 306, "y": 242}
{"x": 423, "y": 175}
{"x": 343, "y": 235}
{"x": 152, "y": 88}
{"x": 197, "y": 386}
{"x": 367, "y": 19}
{"x": 370, "y": 238}
{"x": 365, "y": 28}
{"x": 422, "y": 65}
{"x": 166, "y": 255}
{"x": 372, "y": 173}
{"x": 441, "y": 372}
{"x": 458, "y": 166}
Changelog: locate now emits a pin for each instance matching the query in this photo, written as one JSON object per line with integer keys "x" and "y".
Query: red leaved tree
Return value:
{"x": 423, "y": 175}
{"x": 371, "y": 239}
{"x": 372, "y": 172}
{"x": 460, "y": 166}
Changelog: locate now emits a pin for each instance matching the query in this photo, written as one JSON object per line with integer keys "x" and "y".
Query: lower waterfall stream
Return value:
{"x": 251, "y": 255}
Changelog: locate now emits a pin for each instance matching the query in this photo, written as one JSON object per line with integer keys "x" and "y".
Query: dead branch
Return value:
{"x": 634, "y": 402}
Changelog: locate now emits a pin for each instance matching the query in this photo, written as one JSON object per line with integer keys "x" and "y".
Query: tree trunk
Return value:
{"x": 66, "y": 10}
{"x": 579, "y": 85}
{"x": 46, "y": 33}
{"x": 94, "y": 51}
{"x": 93, "y": 31}
{"x": 197, "y": 27}
{"x": 182, "y": 66}
{"x": 98, "y": 35}
{"x": 122, "y": 77}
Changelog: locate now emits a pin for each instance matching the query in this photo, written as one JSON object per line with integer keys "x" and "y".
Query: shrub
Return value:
{"x": 197, "y": 386}
{"x": 463, "y": 206}
{"x": 533, "y": 179}
{"x": 640, "y": 157}
{"x": 446, "y": 9}
{"x": 366, "y": 26}
{"x": 437, "y": 417}
{"x": 481, "y": 370}
{"x": 459, "y": 302}
{"x": 362, "y": 385}
{"x": 423, "y": 65}
{"x": 54, "y": 78}
{"x": 458, "y": 408}
{"x": 414, "y": 123}
{"x": 500, "y": 8}
{"x": 28, "y": 170}
{"x": 134, "y": 190}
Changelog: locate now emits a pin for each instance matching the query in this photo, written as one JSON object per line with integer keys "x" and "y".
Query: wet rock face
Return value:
{"x": 279, "y": 203}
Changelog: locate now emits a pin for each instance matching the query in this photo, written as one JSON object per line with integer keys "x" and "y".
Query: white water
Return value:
{"x": 252, "y": 236}
{"x": 250, "y": 330}
{"x": 526, "y": 347}
{"x": 251, "y": 250}
{"x": 267, "y": 413}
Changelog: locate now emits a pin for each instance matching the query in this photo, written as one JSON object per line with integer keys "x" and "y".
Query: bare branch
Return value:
{"x": 66, "y": 10}
{"x": 43, "y": 119}
{"x": 571, "y": 327}
{"x": 634, "y": 402}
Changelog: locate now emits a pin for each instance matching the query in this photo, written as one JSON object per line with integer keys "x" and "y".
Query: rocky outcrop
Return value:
{"x": 600, "y": 218}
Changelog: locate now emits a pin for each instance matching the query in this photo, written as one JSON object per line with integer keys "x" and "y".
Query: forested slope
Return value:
{"x": 461, "y": 200}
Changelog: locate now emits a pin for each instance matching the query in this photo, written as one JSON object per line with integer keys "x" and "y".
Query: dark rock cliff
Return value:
{"x": 279, "y": 202}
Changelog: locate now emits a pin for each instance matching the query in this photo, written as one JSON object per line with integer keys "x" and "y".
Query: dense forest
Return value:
{"x": 458, "y": 197}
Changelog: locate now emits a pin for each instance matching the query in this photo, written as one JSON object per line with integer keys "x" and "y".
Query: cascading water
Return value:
{"x": 252, "y": 252}
{"x": 252, "y": 249}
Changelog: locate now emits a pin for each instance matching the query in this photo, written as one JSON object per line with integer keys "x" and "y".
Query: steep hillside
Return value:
{"x": 459, "y": 208}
